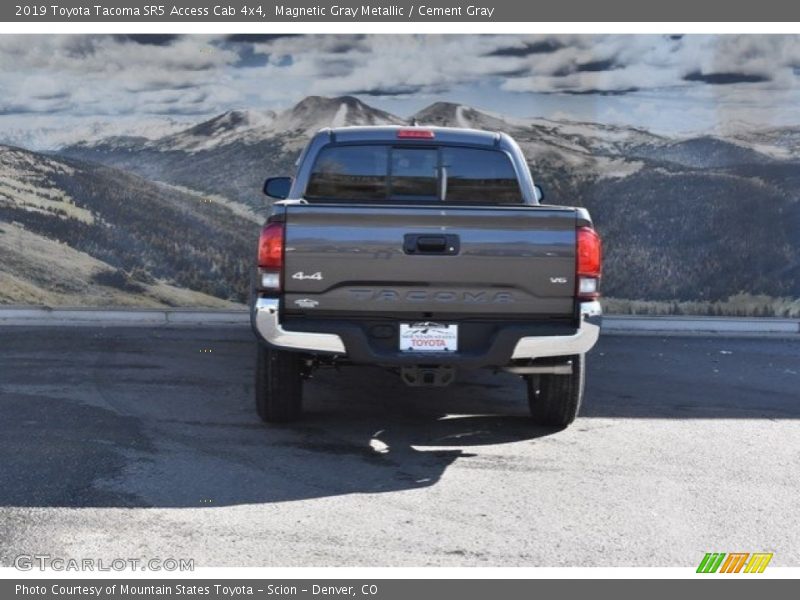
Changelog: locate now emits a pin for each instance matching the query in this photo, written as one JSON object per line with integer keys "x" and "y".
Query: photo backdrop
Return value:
{"x": 131, "y": 165}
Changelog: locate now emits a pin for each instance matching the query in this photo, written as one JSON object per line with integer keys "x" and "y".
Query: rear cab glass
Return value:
{"x": 381, "y": 172}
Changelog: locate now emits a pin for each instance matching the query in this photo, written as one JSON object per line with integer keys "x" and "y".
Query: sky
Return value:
{"x": 56, "y": 86}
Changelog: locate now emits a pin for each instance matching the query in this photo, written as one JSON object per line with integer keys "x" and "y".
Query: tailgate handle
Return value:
{"x": 425, "y": 243}
{"x": 431, "y": 243}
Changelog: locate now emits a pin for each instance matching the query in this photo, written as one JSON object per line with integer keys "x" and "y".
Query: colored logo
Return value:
{"x": 734, "y": 562}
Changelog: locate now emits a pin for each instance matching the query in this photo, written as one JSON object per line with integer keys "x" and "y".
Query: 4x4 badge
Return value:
{"x": 300, "y": 275}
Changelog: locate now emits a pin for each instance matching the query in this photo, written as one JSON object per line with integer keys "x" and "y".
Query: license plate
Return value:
{"x": 428, "y": 337}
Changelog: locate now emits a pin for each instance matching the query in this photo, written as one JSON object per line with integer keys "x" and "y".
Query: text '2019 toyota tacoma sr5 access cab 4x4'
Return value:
{"x": 423, "y": 250}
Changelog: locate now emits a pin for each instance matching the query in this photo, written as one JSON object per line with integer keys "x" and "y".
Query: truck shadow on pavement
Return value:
{"x": 147, "y": 419}
{"x": 208, "y": 449}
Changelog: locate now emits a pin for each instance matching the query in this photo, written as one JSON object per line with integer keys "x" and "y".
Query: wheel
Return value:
{"x": 279, "y": 385}
{"x": 555, "y": 400}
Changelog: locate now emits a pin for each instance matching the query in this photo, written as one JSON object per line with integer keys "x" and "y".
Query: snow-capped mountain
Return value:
{"x": 450, "y": 114}
{"x": 250, "y": 127}
{"x": 658, "y": 200}
{"x": 246, "y": 126}
{"x": 296, "y": 124}
{"x": 591, "y": 150}
{"x": 315, "y": 112}
{"x": 253, "y": 144}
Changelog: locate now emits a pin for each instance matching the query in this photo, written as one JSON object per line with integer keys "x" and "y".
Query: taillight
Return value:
{"x": 589, "y": 263}
{"x": 423, "y": 134}
{"x": 270, "y": 246}
{"x": 270, "y": 256}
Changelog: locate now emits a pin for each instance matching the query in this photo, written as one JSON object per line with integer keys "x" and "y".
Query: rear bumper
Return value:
{"x": 264, "y": 318}
{"x": 507, "y": 346}
{"x": 591, "y": 315}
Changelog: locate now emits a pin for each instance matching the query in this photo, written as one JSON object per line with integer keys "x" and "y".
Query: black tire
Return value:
{"x": 555, "y": 400}
{"x": 279, "y": 385}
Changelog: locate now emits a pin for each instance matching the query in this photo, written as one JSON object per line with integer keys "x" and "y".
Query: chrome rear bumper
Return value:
{"x": 563, "y": 345}
{"x": 265, "y": 321}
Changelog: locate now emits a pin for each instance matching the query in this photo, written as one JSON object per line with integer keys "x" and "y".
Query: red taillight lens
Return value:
{"x": 420, "y": 134}
{"x": 270, "y": 247}
{"x": 589, "y": 252}
{"x": 589, "y": 262}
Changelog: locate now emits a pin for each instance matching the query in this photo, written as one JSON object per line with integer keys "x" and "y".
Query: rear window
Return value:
{"x": 376, "y": 172}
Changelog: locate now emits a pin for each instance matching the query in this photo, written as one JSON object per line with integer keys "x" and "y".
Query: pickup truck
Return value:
{"x": 424, "y": 250}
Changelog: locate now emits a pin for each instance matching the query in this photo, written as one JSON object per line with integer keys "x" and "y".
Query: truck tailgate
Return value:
{"x": 429, "y": 261}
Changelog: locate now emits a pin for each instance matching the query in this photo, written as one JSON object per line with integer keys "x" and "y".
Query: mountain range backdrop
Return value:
{"x": 131, "y": 167}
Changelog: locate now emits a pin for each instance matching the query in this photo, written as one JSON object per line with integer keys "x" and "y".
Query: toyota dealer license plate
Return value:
{"x": 428, "y": 337}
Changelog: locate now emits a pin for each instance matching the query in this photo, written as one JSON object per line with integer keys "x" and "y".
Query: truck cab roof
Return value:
{"x": 392, "y": 133}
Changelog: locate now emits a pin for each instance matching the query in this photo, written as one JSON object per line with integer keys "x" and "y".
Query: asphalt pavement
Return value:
{"x": 138, "y": 442}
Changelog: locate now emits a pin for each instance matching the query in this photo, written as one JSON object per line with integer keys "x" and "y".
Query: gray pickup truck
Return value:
{"x": 425, "y": 251}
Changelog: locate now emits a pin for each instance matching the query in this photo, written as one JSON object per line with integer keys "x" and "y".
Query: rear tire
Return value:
{"x": 555, "y": 400}
{"x": 279, "y": 385}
